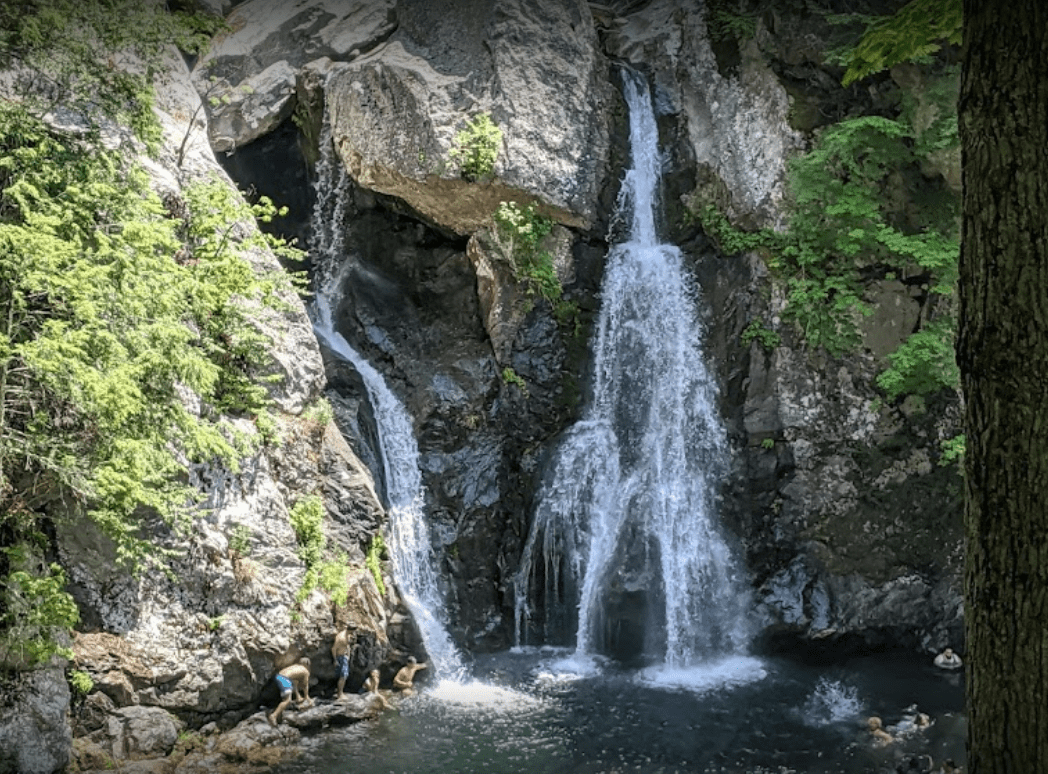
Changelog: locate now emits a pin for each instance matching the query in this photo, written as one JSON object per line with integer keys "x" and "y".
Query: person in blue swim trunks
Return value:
{"x": 292, "y": 680}
{"x": 340, "y": 653}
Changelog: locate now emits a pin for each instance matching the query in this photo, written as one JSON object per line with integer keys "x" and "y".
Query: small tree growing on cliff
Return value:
{"x": 520, "y": 230}
{"x": 477, "y": 147}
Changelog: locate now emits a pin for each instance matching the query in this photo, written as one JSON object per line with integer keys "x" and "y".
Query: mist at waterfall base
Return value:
{"x": 631, "y": 491}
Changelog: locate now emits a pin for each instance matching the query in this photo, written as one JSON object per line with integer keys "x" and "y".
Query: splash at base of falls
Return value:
{"x": 529, "y": 716}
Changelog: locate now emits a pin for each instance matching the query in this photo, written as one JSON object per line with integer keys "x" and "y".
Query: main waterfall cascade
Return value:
{"x": 408, "y": 539}
{"x": 624, "y": 544}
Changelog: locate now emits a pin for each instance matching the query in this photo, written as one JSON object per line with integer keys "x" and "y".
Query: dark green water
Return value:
{"x": 529, "y": 713}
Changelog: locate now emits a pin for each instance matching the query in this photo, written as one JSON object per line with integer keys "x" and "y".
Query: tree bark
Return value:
{"x": 1003, "y": 355}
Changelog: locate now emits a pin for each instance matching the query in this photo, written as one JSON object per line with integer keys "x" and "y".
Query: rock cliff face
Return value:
{"x": 205, "y": 638}
{"x": 198, "y": 637}
{"x": 849, "y": 527}
{"x": 35, "y": 737}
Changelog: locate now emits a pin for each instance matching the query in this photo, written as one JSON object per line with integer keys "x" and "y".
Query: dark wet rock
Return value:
{"x": 324, "y": 714}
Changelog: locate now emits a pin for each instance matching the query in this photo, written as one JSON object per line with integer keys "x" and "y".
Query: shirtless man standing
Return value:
{"x": 294, "y": 678}
{"x": 340, "y": 653}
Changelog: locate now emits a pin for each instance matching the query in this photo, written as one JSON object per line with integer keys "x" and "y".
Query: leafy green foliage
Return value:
{"x": 115, "y": 315}
{"x": 509, "y": 376}
{"x": 953, "y": 450}
{"x": 373, "y": 561}
{"x": 935, "y": 126}
{"x": 77, "y": 54}
{"x": 34, "y": 608}
{"x": 320, "y": 412}
{"x": 231, "y": 290}
{"x": 307, "y": 516}
{"x": 477, "y": 147}
{"x": 917, "y": 30}
{"x": 730, "y": 240}
{"x": 521, "y": 230}
{"x": 766, "y": 337}
{"x": 922, "y": 364}
{"x": 844, "y": 226}
{"x": 240, "y": 540}
{"x": 724, "y": 24}
{"x": 331, "y": 576}
{"x": 80, "y": 682}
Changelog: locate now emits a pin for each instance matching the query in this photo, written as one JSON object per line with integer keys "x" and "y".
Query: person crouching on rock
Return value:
{"x": 404, "y": 679}
{"x": 292, "y": 679}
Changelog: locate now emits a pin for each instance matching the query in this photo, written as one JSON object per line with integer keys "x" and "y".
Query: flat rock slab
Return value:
{"x": 352, "y": 709}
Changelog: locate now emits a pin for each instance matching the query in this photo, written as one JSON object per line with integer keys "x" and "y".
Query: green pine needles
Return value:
{"x": 918, "y": 30}
{"x": 112, "y": 311}
{"x": 96, "y": 58}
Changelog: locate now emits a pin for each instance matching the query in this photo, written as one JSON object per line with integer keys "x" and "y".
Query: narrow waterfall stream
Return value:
{"x": 408, "y": 538}
{"x": 625, "y": 528}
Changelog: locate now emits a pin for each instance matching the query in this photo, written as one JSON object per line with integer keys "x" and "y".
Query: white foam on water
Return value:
{"x": 728, "y": 672}
{"x": 475, "y": 695}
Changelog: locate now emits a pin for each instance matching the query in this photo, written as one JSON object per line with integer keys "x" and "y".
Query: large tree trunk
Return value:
{"x": 1003, "y": 355}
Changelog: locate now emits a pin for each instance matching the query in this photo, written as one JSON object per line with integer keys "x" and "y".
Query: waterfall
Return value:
{"x": 624, "y": 542}
{"x": 407, "y": 533}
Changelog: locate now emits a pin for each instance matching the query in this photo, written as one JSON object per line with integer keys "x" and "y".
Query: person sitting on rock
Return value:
{"x": 371, "y": 687}
{"x": 404, "y": 680}
{"x": 340, "y": 653}
{"x": 948, "y": 660}
{"x": 880, "y": 736}
{"x": 294, "y": 678}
